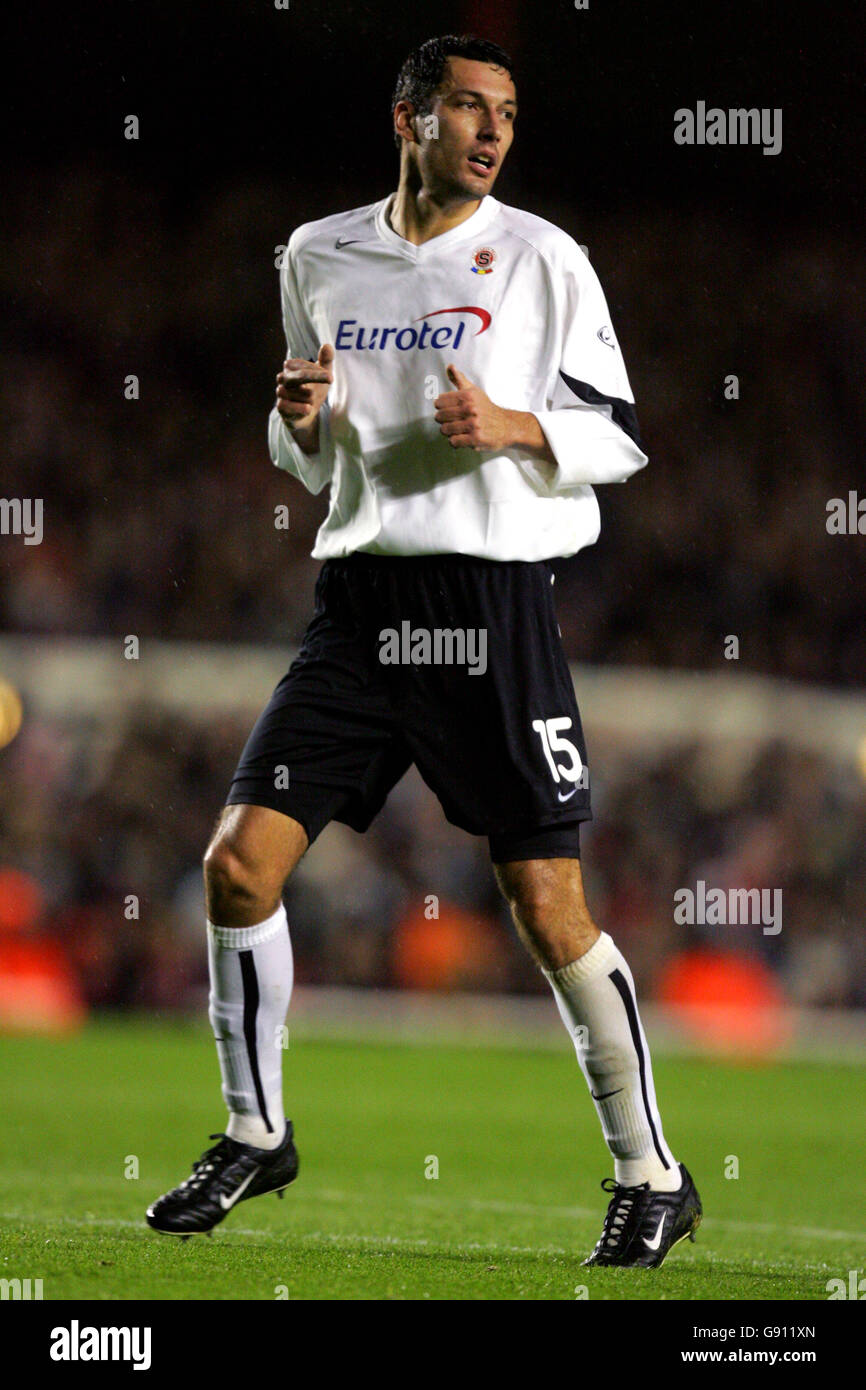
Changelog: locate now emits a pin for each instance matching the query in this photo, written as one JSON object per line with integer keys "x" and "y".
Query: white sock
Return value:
{"x": 251, "y": 976}
{"x": 596, "y": 1000}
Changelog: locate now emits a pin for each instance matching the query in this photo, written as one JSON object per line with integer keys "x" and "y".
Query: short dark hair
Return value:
{"x": 424, "y": 69}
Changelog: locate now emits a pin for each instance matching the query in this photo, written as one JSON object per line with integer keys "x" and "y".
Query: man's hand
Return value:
{"x": 469, "y": 420}
{"x": 301, "y": 391}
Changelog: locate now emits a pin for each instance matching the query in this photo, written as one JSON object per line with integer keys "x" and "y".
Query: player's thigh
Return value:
{"x": 498, "y": 740}
{"x": 254, "y": 849}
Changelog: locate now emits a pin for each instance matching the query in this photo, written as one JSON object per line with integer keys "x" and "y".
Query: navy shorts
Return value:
{"x": 450, "y": 662}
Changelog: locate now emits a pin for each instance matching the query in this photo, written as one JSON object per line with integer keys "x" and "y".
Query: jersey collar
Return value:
{"x": 472, "y": 227}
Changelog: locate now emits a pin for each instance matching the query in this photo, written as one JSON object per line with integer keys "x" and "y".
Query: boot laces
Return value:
{"x": 619, "y": 1211}
{"x": 203, "y": 1167}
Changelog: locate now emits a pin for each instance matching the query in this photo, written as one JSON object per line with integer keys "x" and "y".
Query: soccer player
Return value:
{"x": 454, "y": 379}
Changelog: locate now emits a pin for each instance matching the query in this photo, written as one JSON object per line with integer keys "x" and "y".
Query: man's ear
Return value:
{"x": 404, "y": 121}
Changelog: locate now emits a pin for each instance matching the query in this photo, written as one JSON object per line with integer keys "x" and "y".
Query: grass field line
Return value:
{"x": 332, "y": 1237}
{"x": 492, "y": 1248}
{"x": 505, "y": 1208}
{"x": 588, "y": 1213}
{"x": 533, "y": 1209}
{"x": 364, "y": 1240}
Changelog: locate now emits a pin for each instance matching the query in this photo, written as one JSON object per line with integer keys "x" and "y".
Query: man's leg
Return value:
{"x": 594, "y": 992}
{"x": 251, "y": 854}
{"x": 331, "y": 721}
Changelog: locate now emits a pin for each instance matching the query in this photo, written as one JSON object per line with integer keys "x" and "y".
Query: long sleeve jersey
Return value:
{"x": 514, "y": 303}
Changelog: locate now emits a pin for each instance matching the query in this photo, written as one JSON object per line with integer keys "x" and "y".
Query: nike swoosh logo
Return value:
{"x": 560, "y": 797}
{"x": 657, "y": 1238}
{"x": 228, "y": 1202}
{"x": 605, "y": 1094}
{"x": 347, "y": 241}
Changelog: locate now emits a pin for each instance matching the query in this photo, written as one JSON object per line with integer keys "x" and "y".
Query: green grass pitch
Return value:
{"x": 515, "y": 1207}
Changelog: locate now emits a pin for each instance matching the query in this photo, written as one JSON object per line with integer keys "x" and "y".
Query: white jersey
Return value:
{"x": 514, "y": 303}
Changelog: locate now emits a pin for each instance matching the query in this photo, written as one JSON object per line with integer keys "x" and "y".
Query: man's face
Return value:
{"x": 475, "y": 108}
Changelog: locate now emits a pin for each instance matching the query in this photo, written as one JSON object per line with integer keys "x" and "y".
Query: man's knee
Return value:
{"x": 549, "y": 909}
{"x": 247, "y": 862}
{"x": 229, "y": 878}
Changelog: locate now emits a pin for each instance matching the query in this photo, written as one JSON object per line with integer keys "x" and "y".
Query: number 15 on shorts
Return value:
{"x": 551, "y": 731}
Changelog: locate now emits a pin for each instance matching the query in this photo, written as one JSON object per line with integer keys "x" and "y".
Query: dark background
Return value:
{"x": 156, "y": 257}
{"x": 231, "y": 89}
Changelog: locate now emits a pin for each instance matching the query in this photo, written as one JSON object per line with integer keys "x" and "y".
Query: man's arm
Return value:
{"x": 302, "y": 388}
{"x": 469, "y": 420}
{"x": 298, "y": 433}
{"x": 587, "y": 434}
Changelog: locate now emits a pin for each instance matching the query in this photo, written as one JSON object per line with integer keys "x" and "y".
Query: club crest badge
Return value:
{"x": 483, "y": 260}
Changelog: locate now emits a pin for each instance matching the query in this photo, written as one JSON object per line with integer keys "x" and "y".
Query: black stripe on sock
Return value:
{"x": 631, "y": 1013}
{"x": 250, "y": 982}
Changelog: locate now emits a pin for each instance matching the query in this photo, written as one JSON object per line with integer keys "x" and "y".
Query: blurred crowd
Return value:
{"x": 159, "y": 521}
{"x": 159, "y": 511}
{"x": 107, "y": 831}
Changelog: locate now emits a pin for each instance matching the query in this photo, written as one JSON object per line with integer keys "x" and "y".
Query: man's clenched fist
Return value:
{"x": 469, "y": 419}
{"x": 301, "y": 390}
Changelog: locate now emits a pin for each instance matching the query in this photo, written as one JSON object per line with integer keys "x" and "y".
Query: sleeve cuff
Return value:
{"x": 588, "y": 448}
{"x": 313, "y": 470}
